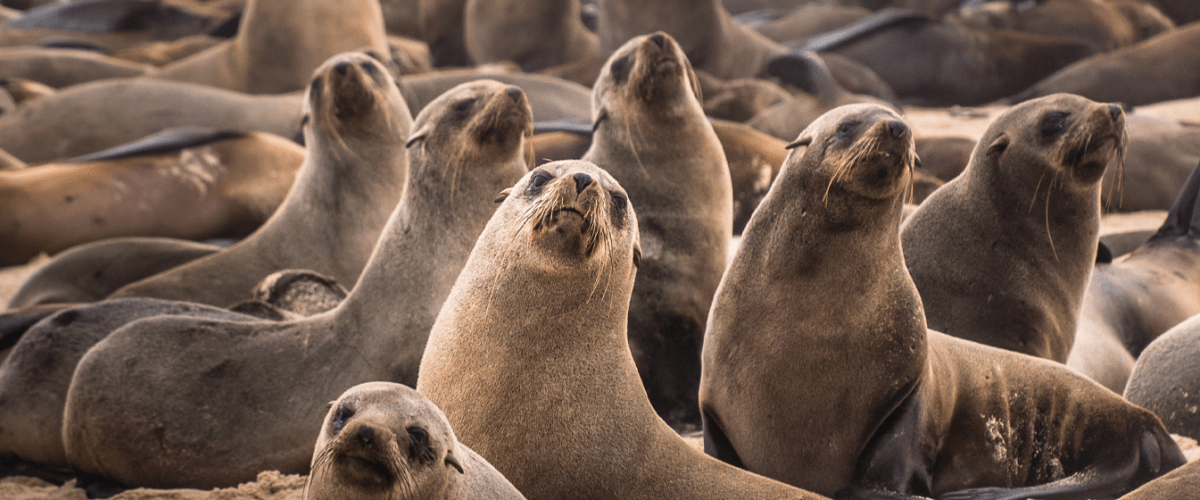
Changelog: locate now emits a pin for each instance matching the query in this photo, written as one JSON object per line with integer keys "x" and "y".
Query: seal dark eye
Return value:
{"x": 845, "y": 129}
{"x": 620, "y": 69}
{"x": 464, "y": 106}
{"x": 340, "y": 417}
{"x": 619, "y": 202}
{"x": 418, "y": 445}
{"x": 1054, "y": 122}
{"x": 538, "y": 181}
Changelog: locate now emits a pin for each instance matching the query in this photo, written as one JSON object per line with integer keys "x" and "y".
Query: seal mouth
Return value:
{"x": 1088, "y": 160}
{"x": 506, "y": 117}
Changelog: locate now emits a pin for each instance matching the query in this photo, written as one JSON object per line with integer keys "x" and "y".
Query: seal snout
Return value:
{"x": 366, "y": 435}
{"x": 897, "y": 129}
{"x": 582, "y": 181}
{"x": 1115, "y": 111}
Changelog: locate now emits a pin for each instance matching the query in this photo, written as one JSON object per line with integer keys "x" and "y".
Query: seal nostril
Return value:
{"x": 1115, "y": 111}
{"x": 341, "y": 67}
{"x": 898, "y": 128}
{"x": 366, "y": 435}
{"x": 582, "y": 181}
{"x": 514, "y": 93}
{"x": 658, "y": 39}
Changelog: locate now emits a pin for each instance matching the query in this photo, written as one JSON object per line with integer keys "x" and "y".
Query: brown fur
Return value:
{"x": 1017, "y": 281}
{"x": 568, "y": 419}
{"x": 535, "y": 35}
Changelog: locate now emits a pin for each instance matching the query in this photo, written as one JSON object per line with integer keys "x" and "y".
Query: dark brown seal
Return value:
{"x": 1017, "y": 280}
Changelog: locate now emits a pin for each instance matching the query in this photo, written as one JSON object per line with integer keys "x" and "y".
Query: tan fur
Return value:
{"x": 385, "y": 440}
{"x": 351, "y": 180}
{"x": 535, "y": 35}
{"x": 279, "y": 44}
{"x": 254, "y": 392}
{"x": 529, "y": 357}
{"x": 1016, "y": 280}
{"x": 225, "y": 188}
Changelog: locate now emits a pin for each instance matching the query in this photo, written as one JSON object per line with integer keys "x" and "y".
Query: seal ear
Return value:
{"x": 999, "y": 145}
{"x": 503, "y": 195}
{"x": 416, "y": 136}
{"x": 691, "y": 74}
{"x": 637, "y": 254}
{"x": 452, "y": 460}
{"x": 600, "y": 116}
{"x": 803, "y": 141}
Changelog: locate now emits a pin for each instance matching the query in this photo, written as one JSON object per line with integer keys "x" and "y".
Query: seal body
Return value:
{"x": 189, "y": 184}
{"x": 279, "y": 44}
{"x": 569, "y": 419}
{"x": 263, "y": 386}
{"x": 1164, "y": 379}
{"x": 385, "y": 440}
{"x": 351, "y": 180}
{"x": 816, "y": 307}
{"x": 94, "y": 116}
{"x": 651, "y": 132}
{"x": 533, "y": 35}
{"x": 1017, "y": 281}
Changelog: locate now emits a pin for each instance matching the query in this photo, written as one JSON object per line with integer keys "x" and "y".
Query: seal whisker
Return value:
{"x": 1047, "y": 218}
{"x": 633, "y": 147}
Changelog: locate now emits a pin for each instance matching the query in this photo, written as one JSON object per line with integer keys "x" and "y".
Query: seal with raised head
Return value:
{"x": 568, "y": 419}
{"x": 1003, "y": 253}
{"x": 253, "y": 392}
{"x": 817, "y": 320}
{"x": 814, "y": 284}
{"x": 650, "y": 133}
{"x": 385, "y": 440}
{"x": 351, "y": 180}
{"x": 279, "y": 44}
{"x": 194, "y": 184}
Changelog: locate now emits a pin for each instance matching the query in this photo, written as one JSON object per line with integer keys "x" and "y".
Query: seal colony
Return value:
{"x": 572, "y": 353}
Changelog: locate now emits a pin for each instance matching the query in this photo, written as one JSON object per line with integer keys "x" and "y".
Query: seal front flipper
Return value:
{"x": 1182, "y": 219}
{"x": 716, "y": 444}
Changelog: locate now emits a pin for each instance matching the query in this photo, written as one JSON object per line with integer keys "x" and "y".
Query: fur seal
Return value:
{"x": 569, "y": 419}
{"x": 1165, "y": 379}
{"x": 707, "y": 33}
{"x": 1017, "y": 282}
{"x": 1159, "y": 69}
{"x": 441, "y": 23}
{"x": 192, "y": 184}
{"x": 253, "y": 392}
{"x": 551, "y": 98}
{"x": 1179, "y": 484}
{"x": 59, "y": 68}
{"x": 908, "y": 411}
{"x": 92, "y": 271}
{"x": 99, "y": 115}
{"x": 352, "y": 177}
{"x": 385, "y": 440}
{"x": 535, "y": 35}
{"x": 650, "y": 132}
{"x": 279, "y": 44}
{"x": 848, "y": 181}
{"x": 927, "y": 61}
{"x": 1130, "y": 302}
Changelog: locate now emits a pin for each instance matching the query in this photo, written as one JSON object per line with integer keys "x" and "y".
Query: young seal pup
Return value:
{"x": 652, "y": 136}
{"x": 350, "y": 182}
{"x": 252, "y": 393}
{"x": 1002, "y": 254}
{"x": 568, "y": 419}
{"x": 819, "y": 368}
{"x": 385, "y": 440}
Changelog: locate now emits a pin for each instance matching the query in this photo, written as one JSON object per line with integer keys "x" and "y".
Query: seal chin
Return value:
{"x": 505, "y": 119}
{"x": 1088, "y": 161}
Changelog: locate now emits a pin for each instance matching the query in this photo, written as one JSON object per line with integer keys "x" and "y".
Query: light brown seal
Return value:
{"x": 261, "y": 386}
{"x": 194, "y": 184}
{"x": 816, "y": 284}
{"x": 707, "y": 33}
{"x": 385, "y": 440}
{"x": 1180, "y": 484}
{"x": 1017, "y": 280}
{"x": 93, "y": 271}
{"x": 60, "y": 68}
{"x": 951, "y": 419}
{"x": 535, "y": 35}
{"x": 99, "y": 115}
{"x": 651, "y": 132}
{"x": 279, "y": 44}
{"x": 1166, "y": 381}
{"x": 351, "y": 180}
{"x": 1159, "y": 69}
{"x": 568, "y": 419}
